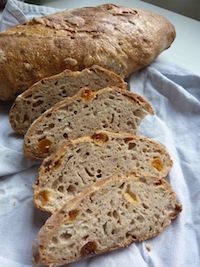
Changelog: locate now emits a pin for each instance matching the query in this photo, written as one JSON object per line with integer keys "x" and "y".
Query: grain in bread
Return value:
{"x": 111, "y": 214}
{"x": 44, "y": 94}
{"x": 79, "y": 163}
{"x": 111, "y": 109}
{"x": 118, "y": 38}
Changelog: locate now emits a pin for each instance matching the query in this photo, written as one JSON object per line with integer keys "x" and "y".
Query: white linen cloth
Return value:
{"x": 175, "y": 96}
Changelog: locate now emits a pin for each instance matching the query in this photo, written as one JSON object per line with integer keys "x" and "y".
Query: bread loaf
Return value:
{"x": 109, "y": 215}
{"x": 108, "y": 109}
{"x": 46, "y": 93}
{"x": 121, "y": 39}
{"x": 79, "y": 163}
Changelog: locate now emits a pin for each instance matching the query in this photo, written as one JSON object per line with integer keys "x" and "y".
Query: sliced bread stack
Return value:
{"x": 101, "y": 181}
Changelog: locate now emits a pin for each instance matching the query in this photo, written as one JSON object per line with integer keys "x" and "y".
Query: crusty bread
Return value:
{"x": 107, "y": 109}
{"x": 79, "y": 163}
{"x": 121, "y": 39}
{"x": 111, "y": 214}
{"x": 46, "y": 93}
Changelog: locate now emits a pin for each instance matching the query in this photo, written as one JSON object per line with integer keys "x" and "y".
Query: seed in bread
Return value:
{"x": 111, "y": 109}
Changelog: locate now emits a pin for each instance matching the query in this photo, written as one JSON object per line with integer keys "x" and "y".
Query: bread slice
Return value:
{"x": 108, "y": 109}
{"x": 109, "y": 215}
{"x": 46, "y": 93}
{"x": 79, "y": 163}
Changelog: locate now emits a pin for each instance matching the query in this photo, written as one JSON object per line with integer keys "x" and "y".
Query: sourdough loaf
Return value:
{"x": 79, "y": 163}
{"x": 46, "y": 93}
{"x": 108, "y": 109}
{"x": 109, "y": 215}
{"x": 121, "y": 39}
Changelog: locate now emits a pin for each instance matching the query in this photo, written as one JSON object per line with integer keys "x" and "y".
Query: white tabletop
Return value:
{"x": 185, "y": 51}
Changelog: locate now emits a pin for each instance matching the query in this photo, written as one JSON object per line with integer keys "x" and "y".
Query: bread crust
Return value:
{"x": 118, "y": 38}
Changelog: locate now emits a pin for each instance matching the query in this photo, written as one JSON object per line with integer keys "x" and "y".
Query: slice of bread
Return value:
{"x": 46, "y": 93}
{"x": 109, "y": 109}
{"x": 109, "y": 215}
{"x": 79, "y": 163}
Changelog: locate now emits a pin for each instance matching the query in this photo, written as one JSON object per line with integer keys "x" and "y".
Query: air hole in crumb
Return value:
{"x": 39, "y": 102}
{"x": 99, "y": 175}
{"x": 61, "y": 188}
{"x": 37, "y": 96}
{"x": 55, "y": 184}
{"x": 109, "y": 214}
{"x": 85, "y": 237}
{"x": 122, "y": 186}
{"x": 140, "y": 218}
{"x": 51, "y": 125}
{"x": 56, "y": 83}
{"x": 145, "y": 206}
{"x": 88, "y": 172}
{"x": 129, "y": 123}
{"x": 138, "y": 113}
{"x": 71, "y": 189}
{"x": 113, "y": 231}
{"x": 88, "y": 211}
{"x": 60, "y": 179}
{"x": 131, "y": 145}
{"x": 65, "y": 135}
{"x": 65, "y": 235}
{"x": 115, "y": 214}
{"x": 104, "y": 228}
{"x": 29, "y": 96}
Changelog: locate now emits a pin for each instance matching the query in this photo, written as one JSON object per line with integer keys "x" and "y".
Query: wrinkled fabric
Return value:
{"x": 175, "y": 96}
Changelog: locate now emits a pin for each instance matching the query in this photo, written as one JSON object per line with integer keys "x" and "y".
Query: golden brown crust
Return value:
{"x": 121, "y": 39}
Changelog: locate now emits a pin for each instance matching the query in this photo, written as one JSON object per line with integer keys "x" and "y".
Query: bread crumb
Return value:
{"x": 148, "y": 247}
{"x": 28, "y": 66}
{"x": 2, "y": 56}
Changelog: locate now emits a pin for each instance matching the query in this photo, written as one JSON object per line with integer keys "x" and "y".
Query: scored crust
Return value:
{"x": 118, "y": 38}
